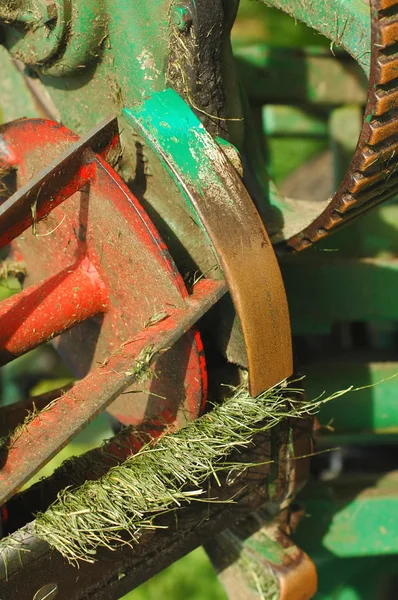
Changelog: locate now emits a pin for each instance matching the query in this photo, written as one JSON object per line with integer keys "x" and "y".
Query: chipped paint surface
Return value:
{"x": 221, "y": 205}
{"x": 147, "y": 64}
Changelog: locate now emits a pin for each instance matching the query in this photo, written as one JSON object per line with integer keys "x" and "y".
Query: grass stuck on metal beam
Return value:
{"x": 165, "y": 474}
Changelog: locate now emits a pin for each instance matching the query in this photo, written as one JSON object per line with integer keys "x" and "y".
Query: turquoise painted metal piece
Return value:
{"x": 168, "y": 122}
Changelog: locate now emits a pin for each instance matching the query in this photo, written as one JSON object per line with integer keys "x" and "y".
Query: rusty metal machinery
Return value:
{"x": 136, "y": 192}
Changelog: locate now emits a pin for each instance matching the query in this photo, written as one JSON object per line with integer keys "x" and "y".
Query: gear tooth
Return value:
{"x": 371, "y": 176}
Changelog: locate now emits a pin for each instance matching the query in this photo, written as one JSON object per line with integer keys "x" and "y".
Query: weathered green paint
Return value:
{"x": 88, "y": 22}
{"x": 138, "y": 35}
{"x": 352, "y": 517}
{"x": 117, "y": 56}
{"x": 345, "y": 22}
{"x": 265, "y": 547}
{"x": 166, "y": 118}
{"x": 106, "y": 63}
{"x": 32, "y": 33}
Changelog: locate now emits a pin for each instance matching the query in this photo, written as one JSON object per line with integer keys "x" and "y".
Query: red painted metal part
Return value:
{"x": 50, "y": 431}
{"x": 96, "y": 221}
{"x": 43, "y": 311}
{"x": 55, "y": 183}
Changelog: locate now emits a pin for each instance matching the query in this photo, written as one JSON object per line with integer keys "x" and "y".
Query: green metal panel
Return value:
{"x": 334, "y": 289}
{"x": 355, "y": 578}
{"x": 373, "y": 410}
{"x": 353, "y": 518}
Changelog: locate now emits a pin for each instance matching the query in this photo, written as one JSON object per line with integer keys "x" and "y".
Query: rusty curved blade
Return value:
{"x": 221, "y": 205}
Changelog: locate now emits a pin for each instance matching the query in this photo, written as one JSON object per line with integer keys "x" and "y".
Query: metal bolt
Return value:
{"x": 47, "y": 592}
{"x": 182, "y": 18}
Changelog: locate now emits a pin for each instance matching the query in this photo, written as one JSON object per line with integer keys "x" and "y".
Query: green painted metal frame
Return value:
{"x": 354, "y": 518}
{"x": 345, "y": 22}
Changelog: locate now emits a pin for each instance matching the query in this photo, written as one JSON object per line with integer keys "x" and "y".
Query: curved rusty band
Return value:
{"x": 221, "y": 205}
{"x": 252, "y": 273}
{"x": 372, "y": 176}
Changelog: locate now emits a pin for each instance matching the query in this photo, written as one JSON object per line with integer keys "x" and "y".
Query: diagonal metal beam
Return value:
{"x": 63, "y": 177}
{"x": 43, "y": 437}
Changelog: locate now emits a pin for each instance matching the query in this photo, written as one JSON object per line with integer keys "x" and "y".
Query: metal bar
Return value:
{"x": 345, "y": 22}
{"x": 63, "y": 177}
{"x": 52, "y": 429}
{"x": 43, "y": 311}
{"x": 22, "y": 508}
{"x": 117, "y": 572}
{"x": 13, "y": 415}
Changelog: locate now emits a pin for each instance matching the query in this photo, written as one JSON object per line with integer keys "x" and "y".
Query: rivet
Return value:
{"x": 182, "y": 18}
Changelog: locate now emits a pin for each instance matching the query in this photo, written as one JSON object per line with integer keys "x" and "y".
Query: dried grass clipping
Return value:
{"x": 164, "y": 474}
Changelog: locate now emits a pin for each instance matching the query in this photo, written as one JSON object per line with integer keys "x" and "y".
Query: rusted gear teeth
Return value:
{"x": 373, "y": 173}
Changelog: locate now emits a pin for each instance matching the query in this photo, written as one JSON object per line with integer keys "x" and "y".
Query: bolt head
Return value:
{"x": 182, "y": 18}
